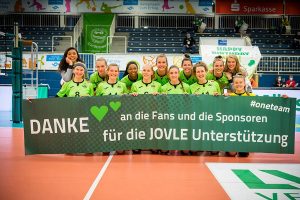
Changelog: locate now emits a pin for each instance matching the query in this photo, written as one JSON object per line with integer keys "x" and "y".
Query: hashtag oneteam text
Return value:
{"x": 267, "y": 106}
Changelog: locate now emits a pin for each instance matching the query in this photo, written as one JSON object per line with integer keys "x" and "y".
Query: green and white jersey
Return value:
{"x": 181, "y": 88}
{"x": 129, "y": 82}
{"x": 105, "y": 88}
{"x": 95, "y": 79}
{"x": 210, "y": 87}
{"x": 192, "y": 79}
{"x": 161, "y": 79}
{"x": 76, "y": 89}
{"x": 140, "y": 87}
{"x": 222, "y": 81}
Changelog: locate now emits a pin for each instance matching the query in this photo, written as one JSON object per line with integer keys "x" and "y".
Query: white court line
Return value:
{"x": 98, "y": 178}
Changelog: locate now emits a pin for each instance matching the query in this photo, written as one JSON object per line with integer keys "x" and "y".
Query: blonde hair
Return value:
{"x": 240, "y": 75}
{"x": 102, "y": 59}
{"x": 218, "y": 58}
{"x": 151, "y": 67}
{"x": 237, "y": 67}
{"x": 200, "y": 64}
{"x": 163, "y": 56}
{"x": 109, "y": 66}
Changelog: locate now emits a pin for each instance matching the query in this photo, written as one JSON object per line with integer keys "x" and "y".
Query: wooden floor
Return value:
{"x": 143, "y": 176}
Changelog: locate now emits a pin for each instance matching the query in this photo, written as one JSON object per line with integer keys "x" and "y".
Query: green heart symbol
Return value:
{"x": 251, "y": 62}
{"x": 115, "y": 105}
{"x": 99, "y": 112}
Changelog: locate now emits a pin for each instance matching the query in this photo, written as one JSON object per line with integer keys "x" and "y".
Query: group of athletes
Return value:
{"x": 194, "y": 79}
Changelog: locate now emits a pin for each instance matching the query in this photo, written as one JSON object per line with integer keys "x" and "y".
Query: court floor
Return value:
{"x": 143, "y": 176}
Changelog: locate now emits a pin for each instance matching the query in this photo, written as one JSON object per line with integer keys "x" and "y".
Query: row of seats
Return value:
{"x": 39, "y": 42}
{"x": 179, "y": 44}
{"x": 27, "y": 48}
{"x": 168, "y": 30}
{"x": 180, "y": 39}
{"x": 155, "y": 49}
{"x": 280, "y": 51}
{"x": 43, "y": 36}
{"x": 31, "y": 37}
{"x": 151, "y": 30}
{"x": 158, "y": 39}
{"x": 274, "y": 46}
{"x": 282, "y": 66}
{"x": 179, "y": 50}
{"x": 171, "y": 40}
{"x": 164, "y": 37}
{"x": 270, "y": 41}
{"x": 37, "y": 33}
{"x": 53, "y": 29}
{"x": 181, "y": 34}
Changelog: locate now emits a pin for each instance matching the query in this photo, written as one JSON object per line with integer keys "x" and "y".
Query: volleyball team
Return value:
{"x": 194, "y": 79}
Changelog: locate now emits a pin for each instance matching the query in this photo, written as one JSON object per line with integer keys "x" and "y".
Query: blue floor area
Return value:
{"x": 5, "y": 121}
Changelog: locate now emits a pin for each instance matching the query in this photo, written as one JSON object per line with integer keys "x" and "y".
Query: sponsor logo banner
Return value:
{"x": 258, "y": 181}
{"x": 237, "y": 7}
{"x": 108, "y": 6}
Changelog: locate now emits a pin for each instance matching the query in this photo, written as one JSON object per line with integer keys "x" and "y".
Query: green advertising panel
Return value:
{"x": 95, "y": 31}
{"x": 173, "y": 122}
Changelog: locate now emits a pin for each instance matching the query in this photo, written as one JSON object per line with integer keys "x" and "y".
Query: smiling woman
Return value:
{"x": 65, "y": 67}
{"x": 217, "y": 74}
{"x": 78, "y": 86}
{"x": 111, "y": 86}
{"x": 131, "y": 74}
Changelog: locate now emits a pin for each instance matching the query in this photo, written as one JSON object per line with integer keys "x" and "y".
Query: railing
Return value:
{"x": 89, "y": 60}
{"x": 31, "y": 90}
{"x": 77, "y": 33}
{"x": 279, "y": 64}
{"x": 137, "y": 21}
{"x": 111, "y": 31}
{"x": 161, "y": 21}
{"x": 109, "y": 40}
{"x": 295, "y": 22}
{"x": 38, "y": 19}
{"x": 185, "y": 21}
{"x": 60, "y": 36}
{"x": 256, "y": 22}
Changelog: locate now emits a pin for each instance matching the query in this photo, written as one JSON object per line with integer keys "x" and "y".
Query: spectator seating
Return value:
{"x": 170, "y": 40}
{"x": 40, "y": 35}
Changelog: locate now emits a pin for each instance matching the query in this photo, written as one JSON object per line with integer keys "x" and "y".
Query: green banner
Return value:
{"x": 173, "y": 122}
{"x": 95, "y": 32}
